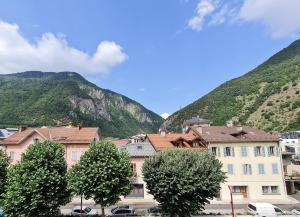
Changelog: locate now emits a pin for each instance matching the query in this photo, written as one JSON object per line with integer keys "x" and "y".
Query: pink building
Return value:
{"x": 75, "y": 139}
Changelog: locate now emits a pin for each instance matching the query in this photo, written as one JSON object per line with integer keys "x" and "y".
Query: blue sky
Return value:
{"x": 164, "y": 54}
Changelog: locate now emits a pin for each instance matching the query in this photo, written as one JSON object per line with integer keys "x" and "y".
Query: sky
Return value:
{"x": 163, "y": 54}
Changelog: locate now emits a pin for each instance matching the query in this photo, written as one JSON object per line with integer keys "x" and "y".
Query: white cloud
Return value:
{"x": 165, "y": 115}
{"x": 52, "y": 53}
{"x": 204, "y": 8}
{"x": 142, "y": 89}
{"x": 281, "y": 17}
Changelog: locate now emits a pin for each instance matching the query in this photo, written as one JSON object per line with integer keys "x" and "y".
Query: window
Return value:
{"x": 270, "y": 189}
{"x": 214, "y": 150}
{"x": 12, "y": 155}
{"x": 74, "y": 155}
{"x": 244, "y": 151}
{"x": 274, "y": 189}
{"x": 230, "y": 169}
{"x": 247, "y": 170}
{"x": 139, "y": 147}
{"x": 137, "y": 191}
{"x": 265, "y": 189}
{"x": 271, "y": 151}
{"x": 239, "y": 189}
{"x": 275, "y": 168}
{"x": 35, "y": 140}
{"x": 261, "y": 169}
{"x": 133, "y": 167}
{"x": 259, "y": 151}
{"x": 195, "y": 144}
{"x": 228, "y": 152}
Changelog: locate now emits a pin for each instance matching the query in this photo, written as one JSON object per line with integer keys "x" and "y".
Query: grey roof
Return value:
{"x": 291, "y": 135}
{"x": 196, "y": 120}
{"x": 4, "y": 133}
{"x": 141, "y": 149}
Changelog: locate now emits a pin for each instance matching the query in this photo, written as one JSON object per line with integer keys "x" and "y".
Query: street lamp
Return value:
{"x": 231, "y": 199}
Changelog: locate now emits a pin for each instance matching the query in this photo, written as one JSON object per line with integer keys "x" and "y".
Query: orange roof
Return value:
{"x": 63, "y": 135}
{"x": 161, "y": 142}
{"x": 120, "y": 142}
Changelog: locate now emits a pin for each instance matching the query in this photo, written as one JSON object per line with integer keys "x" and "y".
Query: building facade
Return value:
{"x": 251, "y": 159}
{"x": 75, "y": 139}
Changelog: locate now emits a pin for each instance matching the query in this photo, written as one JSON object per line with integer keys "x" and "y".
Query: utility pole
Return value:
{"x": 81, "y": 206}
{"x": 231, "y": 200}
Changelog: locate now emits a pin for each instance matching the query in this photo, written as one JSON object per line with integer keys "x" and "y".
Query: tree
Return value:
{"x": 102, "y": 173}
{"x": 37, "y": 185}
{"x": 182, "y": 181}
{"x": 4, "y": 163}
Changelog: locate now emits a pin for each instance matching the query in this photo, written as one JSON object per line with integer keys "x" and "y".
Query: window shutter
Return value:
{"x": 242, "y": 151}
{"x": 210, "y": 150}
{"x": 224, "y": 150}
{"x": 232, "y": 150}
{"x": 246, "y": 154}
{"x": 219, "y": 151}
{"x": 277, "y": 151}
{"x": 268, "y": 148}
{"x": 250, "y": 169}
{"x": 255, "y": 152}
{"x": 244, "y": 169}
{"x": 263, "y": 151}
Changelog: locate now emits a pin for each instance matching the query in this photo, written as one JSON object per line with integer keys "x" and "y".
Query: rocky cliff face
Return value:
{"x": 56, "y": 98}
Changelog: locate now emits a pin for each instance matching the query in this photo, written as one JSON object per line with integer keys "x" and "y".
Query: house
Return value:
{"x": 4, "y": 133}
{"x": 76, "y": 140}
{"x": 250, "y": 158}
{"x": 138, "y": 152}
{"x": 290, "y": 146}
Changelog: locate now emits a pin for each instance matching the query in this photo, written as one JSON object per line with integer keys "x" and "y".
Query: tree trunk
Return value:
{"x": 102, "y": 210}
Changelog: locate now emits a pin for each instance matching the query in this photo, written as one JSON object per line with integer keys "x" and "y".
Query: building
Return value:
{"x": 75, "y": 139}
{"x": 194, "y": 122}
{"x": 290, "y": 146}
{"x": 138, "y": 152}
{"x": 251, "y": 159}
{"x": 4, "y": 133}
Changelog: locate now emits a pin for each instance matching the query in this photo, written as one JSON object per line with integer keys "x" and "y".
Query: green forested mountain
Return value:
{"x": 48, "y": 98}
{"x": 267, "y": 97}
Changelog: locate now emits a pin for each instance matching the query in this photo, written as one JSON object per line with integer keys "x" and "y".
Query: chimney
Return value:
{"x": 22, "y": 128}
{"x": 162, "y": 132}
{"x": 200, "y": 130}
{"x": 229, "y": 123}
{"x": 80, "y": 126}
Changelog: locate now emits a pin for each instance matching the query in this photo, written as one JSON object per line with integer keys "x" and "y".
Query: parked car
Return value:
{"x": 87, "y": 211}
{"x": 296, "y": 211}
{"x": 263, "y": 209}
{"x": 2, "y": 213}
{"x": 122, "y": 211}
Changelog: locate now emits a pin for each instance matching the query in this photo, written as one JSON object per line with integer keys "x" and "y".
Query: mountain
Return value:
{"x": 47, "y": 98}
{"x": 266, "y": 98}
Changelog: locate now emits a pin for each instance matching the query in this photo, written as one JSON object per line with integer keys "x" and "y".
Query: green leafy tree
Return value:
{"x": 38, "y": 184}
{"x": 182, "y": 181}
{"x": 4, "y": 163}
{"x": 102, "y": 173}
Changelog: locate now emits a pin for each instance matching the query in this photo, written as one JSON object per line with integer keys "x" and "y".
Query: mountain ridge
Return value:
{"x": 51, "y": 98}
{"x": 259, "y": 98}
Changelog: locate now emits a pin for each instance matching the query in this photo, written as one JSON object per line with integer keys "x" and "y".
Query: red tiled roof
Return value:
{"x": 161, "y": 142}
{"x": 120, "y": 142}
{"x": 60, "y": 134}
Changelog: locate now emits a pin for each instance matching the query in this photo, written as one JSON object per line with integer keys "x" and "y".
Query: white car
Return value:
{"x": 87, "y": 211}
{"x": 296, "y": 211}
{"x": 263, "y": 208}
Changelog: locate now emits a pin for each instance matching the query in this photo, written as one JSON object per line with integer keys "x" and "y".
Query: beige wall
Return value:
{"x": 255, "y": 181}
{"x": 148, "y": 198}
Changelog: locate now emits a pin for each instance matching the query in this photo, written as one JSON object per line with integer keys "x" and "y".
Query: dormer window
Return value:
{"x": 195, "y": 144}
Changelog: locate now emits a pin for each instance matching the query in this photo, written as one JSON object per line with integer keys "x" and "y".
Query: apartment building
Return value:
{"x": 250, "y": 158}
{"x": 75, "y": 139}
